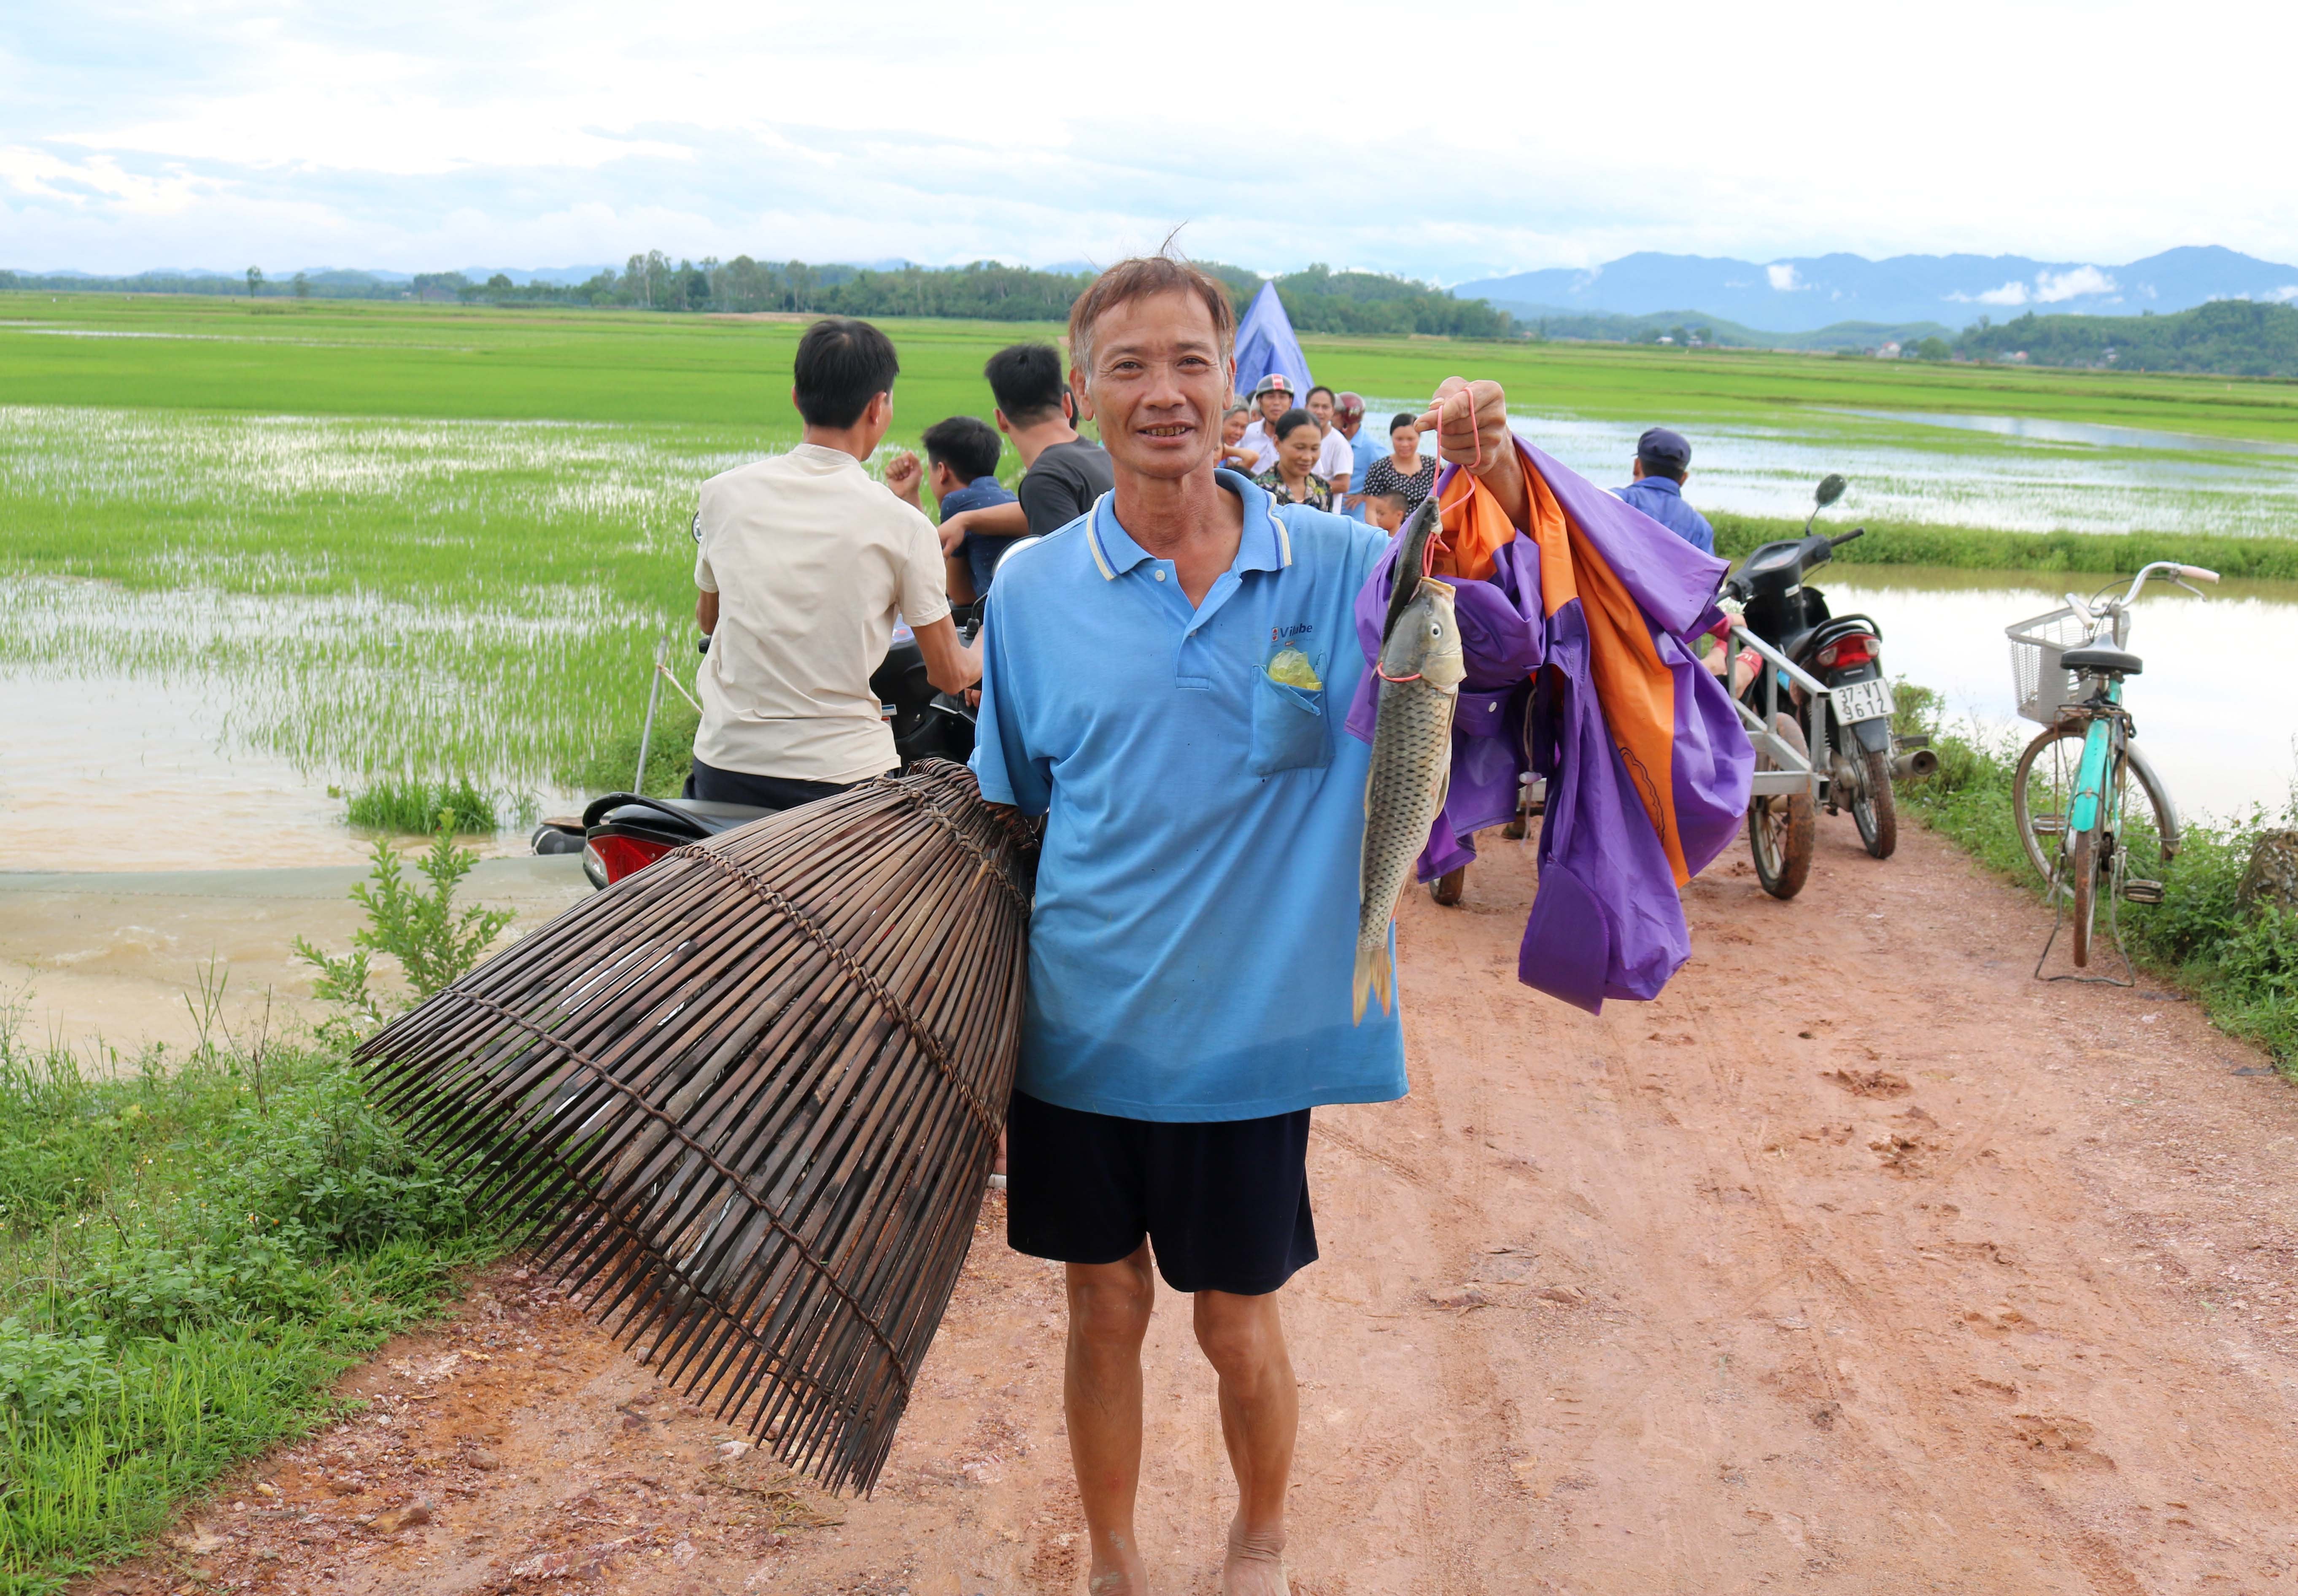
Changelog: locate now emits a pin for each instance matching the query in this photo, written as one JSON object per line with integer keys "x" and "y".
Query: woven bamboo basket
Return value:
{"x": 747, "y": 1100}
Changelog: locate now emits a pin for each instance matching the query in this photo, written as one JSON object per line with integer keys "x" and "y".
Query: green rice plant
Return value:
{"x": 1978, "y": 548}
{"x": 415, "y": 806}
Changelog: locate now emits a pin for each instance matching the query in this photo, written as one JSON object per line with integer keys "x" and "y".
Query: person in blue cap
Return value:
{"x": 1663, "y": 461}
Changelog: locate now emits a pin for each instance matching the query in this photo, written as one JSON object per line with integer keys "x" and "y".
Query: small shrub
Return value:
{"x": 47, "y": 1378}
{"x": 432, "y": 940}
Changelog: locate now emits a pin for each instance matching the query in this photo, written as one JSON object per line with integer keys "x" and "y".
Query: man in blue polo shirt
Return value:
{"x": 1165, "y": 680}
{"x": 1663, "y": 461}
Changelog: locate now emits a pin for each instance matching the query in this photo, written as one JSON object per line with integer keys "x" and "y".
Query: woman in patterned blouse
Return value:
{"x": 1293, "y": 479}
{"x": 1404, "y": 471}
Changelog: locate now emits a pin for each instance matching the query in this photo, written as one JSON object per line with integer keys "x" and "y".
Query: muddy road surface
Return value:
{"x": 1861, "y": 1261}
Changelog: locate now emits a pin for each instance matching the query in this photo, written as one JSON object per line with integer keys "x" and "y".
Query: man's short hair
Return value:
{"x": 1395, "y": 496}
{"x": 1141, "y": 277}
{"x": 841, "y": 366}
{"x": 1026, "y": 381}
{"x": 967, "y": 444}
{"x": 1289, "y": 423}
{"x": 1327, "y": 392}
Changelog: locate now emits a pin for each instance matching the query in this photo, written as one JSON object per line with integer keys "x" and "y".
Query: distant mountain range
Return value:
{"x": 1803, "y": 294}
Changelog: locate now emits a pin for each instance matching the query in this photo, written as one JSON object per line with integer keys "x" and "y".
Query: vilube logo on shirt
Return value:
{"x": 1278, "y": 634}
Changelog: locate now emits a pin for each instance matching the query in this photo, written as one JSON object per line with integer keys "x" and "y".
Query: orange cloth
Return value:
{"x": 1634, "y": 687}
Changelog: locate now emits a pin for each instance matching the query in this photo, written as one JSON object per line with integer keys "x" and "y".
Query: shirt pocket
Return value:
{"x": 1289, "y": 730}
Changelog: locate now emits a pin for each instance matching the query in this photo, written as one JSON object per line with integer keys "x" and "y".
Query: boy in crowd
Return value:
{"x": 962, "y": 459}
{"x": 1386, "y": 511}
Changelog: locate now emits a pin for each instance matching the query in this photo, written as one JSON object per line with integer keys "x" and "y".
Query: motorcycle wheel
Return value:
{"x": 1875, "y": 810}
{"x": 1783, "y": 833}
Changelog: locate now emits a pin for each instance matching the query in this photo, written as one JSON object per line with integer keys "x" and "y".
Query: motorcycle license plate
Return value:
{"x": 1862, "y": 700}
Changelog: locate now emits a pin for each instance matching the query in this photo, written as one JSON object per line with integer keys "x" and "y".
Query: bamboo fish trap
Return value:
{"x": 748, "y": 1099}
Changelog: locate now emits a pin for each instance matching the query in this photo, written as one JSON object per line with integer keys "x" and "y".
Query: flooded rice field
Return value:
{"x": 2005, "y": 473}
{"x": 243, "y": 618}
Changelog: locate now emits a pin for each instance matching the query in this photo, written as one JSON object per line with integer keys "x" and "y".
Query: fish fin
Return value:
{"x": 1362, "y": 983}
{"x": 1383, "y": 977}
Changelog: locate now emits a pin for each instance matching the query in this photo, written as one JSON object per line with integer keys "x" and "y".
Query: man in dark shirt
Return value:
{"x": 1064, "y": 473}
{"x": 1663, "y": 461}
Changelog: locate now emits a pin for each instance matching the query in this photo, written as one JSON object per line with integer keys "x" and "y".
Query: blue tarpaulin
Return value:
{"x": 1265, "y": 343}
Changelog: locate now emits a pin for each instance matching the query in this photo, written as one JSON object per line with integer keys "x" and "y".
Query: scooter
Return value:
{"x": 1845, "y": 653}
{"x": 621, "y": 833}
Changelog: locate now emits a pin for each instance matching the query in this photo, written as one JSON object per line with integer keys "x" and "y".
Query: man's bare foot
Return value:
{"x": 1117, "y": 1571}
{"x": 1255, "y": 1564}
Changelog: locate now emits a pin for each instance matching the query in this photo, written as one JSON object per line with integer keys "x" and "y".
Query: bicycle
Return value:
{"x": 2072, "y": 796}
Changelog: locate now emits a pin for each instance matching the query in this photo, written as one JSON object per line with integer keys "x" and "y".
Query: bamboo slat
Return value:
{"x": 747, "y": 1100}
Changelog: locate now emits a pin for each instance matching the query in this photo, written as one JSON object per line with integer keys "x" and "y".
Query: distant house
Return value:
{"x": 1663, "y": 338}
{"x": 1889, "y": 351}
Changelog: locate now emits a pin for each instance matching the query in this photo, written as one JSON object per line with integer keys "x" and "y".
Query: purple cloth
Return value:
{"x": 1606, "y": 921}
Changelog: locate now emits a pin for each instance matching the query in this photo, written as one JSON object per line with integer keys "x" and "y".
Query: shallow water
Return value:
{"x": 2084, "y": 432}
{"x": 120, "y": 771}
{"x": 2212, "y": 709}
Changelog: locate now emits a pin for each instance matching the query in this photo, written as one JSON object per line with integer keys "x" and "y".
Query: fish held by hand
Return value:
{"x": 1421, "y": 667}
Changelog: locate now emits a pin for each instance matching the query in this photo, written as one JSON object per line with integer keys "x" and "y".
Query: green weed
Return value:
{"x": 188, "y": 1254}
{"x": 2241, "y": 963}
{"x": 433, "y": 939}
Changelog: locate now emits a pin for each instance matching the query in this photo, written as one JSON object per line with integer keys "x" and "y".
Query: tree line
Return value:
{"x": 2228, "y": 337}
{"x": 1317, "y": 300}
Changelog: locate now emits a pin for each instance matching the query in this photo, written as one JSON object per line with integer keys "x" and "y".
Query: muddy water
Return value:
{"x": 2213, "y": 706}
{"x": 117, "y": 772}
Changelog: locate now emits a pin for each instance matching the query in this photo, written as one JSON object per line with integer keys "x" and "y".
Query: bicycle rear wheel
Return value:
{"x": 2082, "y": 889}
{"x": 2042, "y": 795}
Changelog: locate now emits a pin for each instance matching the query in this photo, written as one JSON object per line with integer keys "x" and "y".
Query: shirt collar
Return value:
{"x": 1665, "y": 485}
{"x": 1265, "y": 544}
{"x": 822, "y": 454}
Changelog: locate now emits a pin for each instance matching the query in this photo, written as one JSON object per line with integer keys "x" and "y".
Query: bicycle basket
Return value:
{"x": 2039, "y": 683}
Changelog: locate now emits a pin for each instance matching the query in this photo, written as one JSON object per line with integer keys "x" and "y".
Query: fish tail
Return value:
{"x": 1373, "y": 973}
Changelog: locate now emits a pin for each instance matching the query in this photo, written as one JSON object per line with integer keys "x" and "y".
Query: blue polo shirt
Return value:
{"x": 1194, "y": 931}
{"x": 1662, "y": 499}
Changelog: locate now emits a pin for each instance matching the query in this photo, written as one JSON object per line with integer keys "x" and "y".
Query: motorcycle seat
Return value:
{"x": 2107, "y": 662}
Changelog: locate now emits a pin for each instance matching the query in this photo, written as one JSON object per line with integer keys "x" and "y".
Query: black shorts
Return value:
{"x": 1223, "y": 1203}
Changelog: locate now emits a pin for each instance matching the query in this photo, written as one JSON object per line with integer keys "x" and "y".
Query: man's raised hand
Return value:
{"x": 903, "y": 476}
{"x": 1470, "y": 421}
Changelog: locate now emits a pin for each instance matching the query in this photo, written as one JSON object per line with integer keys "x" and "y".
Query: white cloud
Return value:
{"x": 1783, "y": 278}
{"x": 2284, "y": 295}
{"x": 433, "y": 133}
{"x": 2052, "y": 286}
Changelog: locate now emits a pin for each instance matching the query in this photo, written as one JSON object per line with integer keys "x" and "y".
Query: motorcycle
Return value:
{"x": 621, "y": 833}
{"x": 1845, "y": 655}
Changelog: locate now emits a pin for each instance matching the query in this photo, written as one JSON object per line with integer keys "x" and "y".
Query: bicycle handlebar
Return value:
{"x": 2196, "y": 574}
{"x": 1856, "y": 532}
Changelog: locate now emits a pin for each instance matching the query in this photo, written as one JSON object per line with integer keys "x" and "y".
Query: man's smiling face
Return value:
{"x": 1159, "y": 384}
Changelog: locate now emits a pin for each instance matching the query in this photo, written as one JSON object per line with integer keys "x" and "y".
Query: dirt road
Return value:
{"x": 1900, "y": 1272}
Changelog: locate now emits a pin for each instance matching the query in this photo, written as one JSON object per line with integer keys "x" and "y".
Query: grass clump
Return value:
{"x": 2240, "y": 960}
{"x": 417, "y": 807}
{"x": 191, "y": 1251}
{"x": 187, "y": 1256}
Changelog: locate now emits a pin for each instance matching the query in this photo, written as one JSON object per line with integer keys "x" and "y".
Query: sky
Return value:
{"x": 1447, "y": 142}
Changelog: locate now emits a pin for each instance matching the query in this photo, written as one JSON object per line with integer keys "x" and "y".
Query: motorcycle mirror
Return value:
{"x": 1831, "y": 489}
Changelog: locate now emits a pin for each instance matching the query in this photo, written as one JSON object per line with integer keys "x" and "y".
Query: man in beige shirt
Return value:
{"x": 804, "y": 565}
